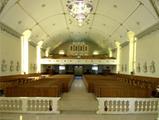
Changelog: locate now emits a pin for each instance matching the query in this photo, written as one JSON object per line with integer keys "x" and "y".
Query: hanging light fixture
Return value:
{"x": 80, "y": 9}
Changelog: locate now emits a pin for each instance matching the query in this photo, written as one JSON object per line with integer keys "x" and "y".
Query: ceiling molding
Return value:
{"x": 9, "y": 30}
{"x": 154, "y": 7}
{"x": 124, "y": 44}
{"x": 32, "y": 44}
{"x": 3, "y": 3}
{"x": 35, "y": 45}
{"x": 125, "y": 20}
{"x": 148, "y": 30}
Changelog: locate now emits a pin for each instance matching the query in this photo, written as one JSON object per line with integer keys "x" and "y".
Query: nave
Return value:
{"x": 78, "y": 99}
{"x": 44, "y": 43}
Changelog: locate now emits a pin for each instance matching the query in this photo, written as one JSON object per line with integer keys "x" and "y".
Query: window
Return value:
{"x": 95, "y": 68}
{"x": 61, "y": 67}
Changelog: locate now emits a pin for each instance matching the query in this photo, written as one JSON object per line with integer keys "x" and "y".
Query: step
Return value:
{"x": 77, "y": 112}
{"x": 78, "y": 105}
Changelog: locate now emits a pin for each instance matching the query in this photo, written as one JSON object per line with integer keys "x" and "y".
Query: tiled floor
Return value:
{"x": 78, "y": 99}
{"x": 77, "y": 105}
{"x": 75, "y": 116}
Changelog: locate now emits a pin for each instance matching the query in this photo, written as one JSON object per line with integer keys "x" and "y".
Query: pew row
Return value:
{"x": 52, "y": 86}
{"x": 110, "y": 86}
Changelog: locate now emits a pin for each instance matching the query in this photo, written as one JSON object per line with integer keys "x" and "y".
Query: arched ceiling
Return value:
{"x": 50, "y": 21}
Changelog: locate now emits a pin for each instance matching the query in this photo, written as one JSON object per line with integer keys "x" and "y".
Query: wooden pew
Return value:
{"x": 113, "y": 86}
{"x": 33, "y": 92}
{"x": 52, "y": 86}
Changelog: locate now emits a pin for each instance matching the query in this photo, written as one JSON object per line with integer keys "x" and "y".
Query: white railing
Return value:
{"x": 127, "y": 105}
{"x": 78, "y": 61}
{"x": 105, "y": 105}
{"x": 29, "y": 104}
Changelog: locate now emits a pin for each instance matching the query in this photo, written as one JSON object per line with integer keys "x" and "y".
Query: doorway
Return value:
{"x": 78, "y": 70}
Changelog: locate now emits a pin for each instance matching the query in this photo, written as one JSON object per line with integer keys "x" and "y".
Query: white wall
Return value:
{"x": 10, "y": 50}
{"x": 43, "y": 67}
{"x": 124, "y": 59}
{"x": 147, "y": 51}
{"x": 32, "y": 59}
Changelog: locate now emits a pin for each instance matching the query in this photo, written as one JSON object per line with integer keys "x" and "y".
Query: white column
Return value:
{"x": 38, "y": 55}
{"x": 25, "y": 51}
{"x": 55, "y": 105}
{"x": 47, "y": 51}
{"x": 118, "y": 56}
{"x": 158, "y": 111}
{"x": 131, "y": 50}
{"x": 101, "y": 106}
{"x": 110, "y": 52}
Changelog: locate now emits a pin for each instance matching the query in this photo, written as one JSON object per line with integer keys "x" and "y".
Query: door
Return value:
{"x": 78, "y": 71}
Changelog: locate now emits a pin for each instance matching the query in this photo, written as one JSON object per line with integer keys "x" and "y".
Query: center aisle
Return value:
{"x": 78, "y": 99}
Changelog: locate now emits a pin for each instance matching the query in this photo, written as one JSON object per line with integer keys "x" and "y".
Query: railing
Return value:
{"x": 127, "y": 105}
{"x": 106, "y": 105}
{"x": 29, "y": 104}
{"x": 78, "y": 61}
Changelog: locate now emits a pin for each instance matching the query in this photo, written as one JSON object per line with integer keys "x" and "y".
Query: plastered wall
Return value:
{"x": 147, "y": 60}
{"x": 10, "y": 54}
{"x": 32, "y": 59}
{"x": 124, "y": 59}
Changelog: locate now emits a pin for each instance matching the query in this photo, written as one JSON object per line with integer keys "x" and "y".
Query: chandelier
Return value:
{"x": 79, "y": 9}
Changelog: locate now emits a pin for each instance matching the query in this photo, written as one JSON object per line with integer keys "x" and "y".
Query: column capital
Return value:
{"x": 48, "y": 48}
{"x": 131, "y": 36}
{"x": 40, "y": 43}
{"x": 117, "y": 44}
{"x": 27, "y": 33}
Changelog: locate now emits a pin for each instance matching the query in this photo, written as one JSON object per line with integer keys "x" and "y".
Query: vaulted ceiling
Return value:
{"x": 50, "y": 21}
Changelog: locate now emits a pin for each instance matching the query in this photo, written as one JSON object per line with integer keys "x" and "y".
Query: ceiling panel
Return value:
{"x": 105, "y": 24}
{"x": 54, "y": 24}
{"x": 38, "y": 34}
{"x": 8, "y": 5}
{"x": 117, "y": 9}
{"x": 17, "y": 19}
{"x": 140, "y": 20}
{"x": 149, "y": 7}
{"x": 40, "y": 9}
{"x": 120, "y": 35}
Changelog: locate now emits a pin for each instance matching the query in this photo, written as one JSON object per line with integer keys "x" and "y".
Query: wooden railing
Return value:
{"x": 29, "y": 104}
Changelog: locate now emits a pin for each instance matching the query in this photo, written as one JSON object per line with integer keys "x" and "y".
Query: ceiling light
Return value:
{"x": 43, "y": 5}
{"x": 61, "y": 52}
{"x": 19, "y": 22}
{"x": 95, "y": 53}
{"x": 80, "y": 9}
{"x": 115, "y": 6}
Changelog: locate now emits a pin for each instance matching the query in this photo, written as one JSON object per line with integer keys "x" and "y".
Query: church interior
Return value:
{"x": 79, "y": 59}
